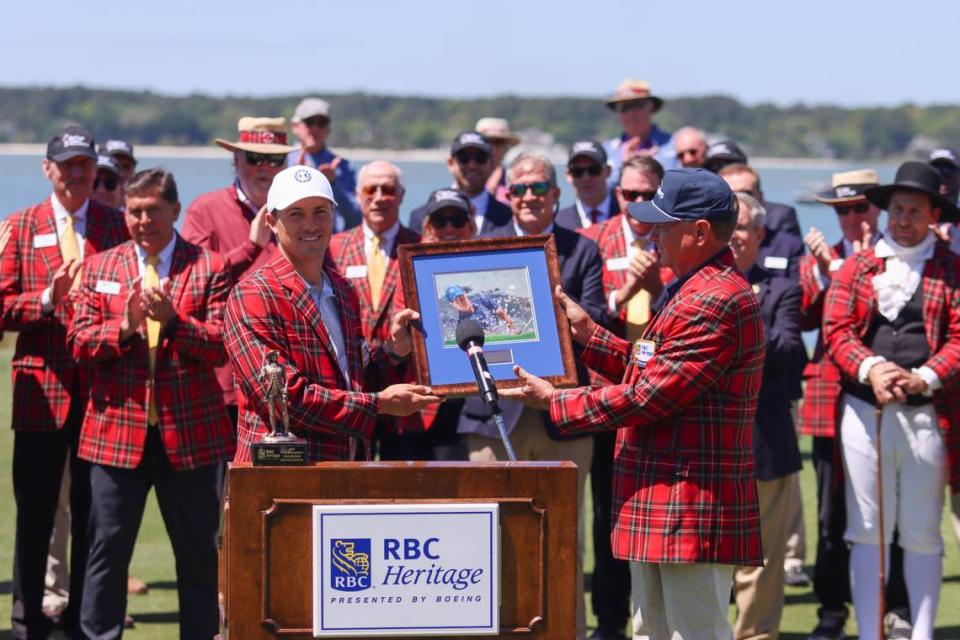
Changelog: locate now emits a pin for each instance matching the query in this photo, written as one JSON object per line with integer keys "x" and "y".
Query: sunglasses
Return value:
{"x": 578, "y": 172}
{"x": 861, "y": 208}
{"x": 317, "y": 121}
{"x": 110, "y": 183}
{"x": 633, "y": 104}
{"x": 439, "y": 220}
{"x": 270, "y": 159}
{"x": 539, "y": 189}
{"x": 477, "y": 157}
{"x": 634, "y": 196}
{"x": 386, "y": 190}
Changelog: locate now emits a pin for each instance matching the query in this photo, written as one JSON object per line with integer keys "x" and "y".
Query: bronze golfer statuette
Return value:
{"x": 279, "y": 447}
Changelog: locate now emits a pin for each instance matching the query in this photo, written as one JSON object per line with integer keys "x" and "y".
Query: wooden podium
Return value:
{"x": 266, "y": 548}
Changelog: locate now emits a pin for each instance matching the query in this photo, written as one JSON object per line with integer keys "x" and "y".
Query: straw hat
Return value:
{"x": 631, "y": 90}
{"x": 259, "y": 135}
{"x": 496, "y": 129}
{"x": 849, "y": 186}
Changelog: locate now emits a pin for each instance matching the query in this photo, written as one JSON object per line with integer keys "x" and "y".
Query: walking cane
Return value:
{"x": 883, "y": 557}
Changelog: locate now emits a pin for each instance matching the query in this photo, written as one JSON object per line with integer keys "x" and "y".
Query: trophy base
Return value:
{"x": 291, "y": 453}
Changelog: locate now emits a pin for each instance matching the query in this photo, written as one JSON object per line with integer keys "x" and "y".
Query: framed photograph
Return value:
{"x": 506, "y": 285}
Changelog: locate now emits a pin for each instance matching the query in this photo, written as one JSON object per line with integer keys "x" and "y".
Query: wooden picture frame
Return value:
{"x": 488, "y": 272}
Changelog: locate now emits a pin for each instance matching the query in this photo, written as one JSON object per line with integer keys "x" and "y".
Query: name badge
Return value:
{"x": 775, "y": 262}
{"x": 756, "y": 289}
{"x": 357, "y": 271}
{"x": 618, "y": 264}
{"x": 643, "y": 350}
{"x": 44, "y": 240}
{"x": 108, "y": 287}
{"x": 836, "y": 264}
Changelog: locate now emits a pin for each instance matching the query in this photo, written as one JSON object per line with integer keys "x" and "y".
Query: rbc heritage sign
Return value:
{"x": 412, "y": 569}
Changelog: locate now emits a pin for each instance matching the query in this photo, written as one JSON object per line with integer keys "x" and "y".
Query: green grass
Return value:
{"x": 156, "y": 612}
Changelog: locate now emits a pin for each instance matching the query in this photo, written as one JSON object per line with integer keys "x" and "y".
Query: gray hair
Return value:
{"x": 757, "y": 212}
{"x": 379, "y": 164}
{"x": 528, "y": 158}
{"x": 691, "y": 131}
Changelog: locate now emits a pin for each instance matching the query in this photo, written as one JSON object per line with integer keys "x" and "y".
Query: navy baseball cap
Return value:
{"x": 470, "y": 140}
{"x": 588, "y": 149}
{"x": 117, "y": 147}
{"x": 443, "y": 198}
{"x": 71, "y": 142}
{"x": 687, "y": 194}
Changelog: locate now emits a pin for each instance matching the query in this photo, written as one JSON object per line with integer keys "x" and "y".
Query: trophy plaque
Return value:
{"x": 279, "y": 447}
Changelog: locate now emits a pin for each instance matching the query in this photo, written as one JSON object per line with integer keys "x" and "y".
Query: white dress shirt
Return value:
{"x": 60, "y": 215}
{"x": 387, "y": 238}
{"x": 629, "y": 236}
{"x": 165, "y": 257}
{"x": 584, "y": 213}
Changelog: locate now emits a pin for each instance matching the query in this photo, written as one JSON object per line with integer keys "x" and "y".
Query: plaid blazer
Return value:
{"x": 346, "y": 249}
{"x": 45, "y": 375}
{"x": 819, "y": 413}
{"x": 194, "y": 426}
{"x": 851, "y": 307}
{"x": 684, "y": 488}
{"x": 272, "y": 310}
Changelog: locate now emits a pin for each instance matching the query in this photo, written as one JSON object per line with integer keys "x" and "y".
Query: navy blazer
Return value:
{"x": 569, "y": 217}
{"x": 497, "y": 215}
{"x": 782, "y": 247}
{"x": 775, "y": 449}
{"x": 581, "y": 271}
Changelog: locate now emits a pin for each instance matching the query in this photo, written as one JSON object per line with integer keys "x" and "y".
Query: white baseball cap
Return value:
{"x": 296, "y": 183}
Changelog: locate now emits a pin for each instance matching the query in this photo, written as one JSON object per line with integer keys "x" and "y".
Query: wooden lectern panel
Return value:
{"x": 267, "y": 554}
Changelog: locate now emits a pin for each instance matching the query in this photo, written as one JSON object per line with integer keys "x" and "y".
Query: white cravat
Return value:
{"x": 904, "y": 271}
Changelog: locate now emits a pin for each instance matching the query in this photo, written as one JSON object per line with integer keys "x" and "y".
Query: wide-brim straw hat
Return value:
{"x": 848, "y": 187}
{"x": 918, "y": 177}
{"x": 259, "y": 135}
{"x": 496, "y": 130}
{"x": 631, "y": 90}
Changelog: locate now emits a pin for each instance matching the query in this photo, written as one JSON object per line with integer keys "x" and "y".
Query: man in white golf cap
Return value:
{"x": 311, "y": 124}
{"x": 299, "y": 298}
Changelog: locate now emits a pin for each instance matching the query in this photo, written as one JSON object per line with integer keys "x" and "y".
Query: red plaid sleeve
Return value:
{"x": 847, "y": 311}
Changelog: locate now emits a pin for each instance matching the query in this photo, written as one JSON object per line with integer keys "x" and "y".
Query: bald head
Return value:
{"x": 380, "y": 192}
{"x": 691, "y": 146}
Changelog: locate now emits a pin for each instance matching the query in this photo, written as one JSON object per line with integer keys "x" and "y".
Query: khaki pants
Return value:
{"x": 680, "y": 601}
{"x": 531, "y": 442}
{"x": 759, "y": 590}
{"x": 57, "y": 580}
{"x": 796, "y": 553}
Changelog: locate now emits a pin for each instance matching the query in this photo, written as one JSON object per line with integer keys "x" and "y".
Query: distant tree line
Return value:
{"x": 398, "y": 122}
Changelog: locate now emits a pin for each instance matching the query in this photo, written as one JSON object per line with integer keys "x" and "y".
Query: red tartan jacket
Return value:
{"x": 851, "y": 306}
{"x": 194, "y": 426}
{"x": 346, "y": 249}
{"x": 684, "y": 488}
{"x": 272, "y": 309}
{"x": 819, "y": 413}
{"x": 44, "y": 373}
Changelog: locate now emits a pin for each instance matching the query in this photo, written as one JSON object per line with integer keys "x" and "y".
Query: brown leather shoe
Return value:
{"x": 136, "y": 586}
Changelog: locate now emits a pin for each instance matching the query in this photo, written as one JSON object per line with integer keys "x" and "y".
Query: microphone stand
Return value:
{"x": 502, "y": 428}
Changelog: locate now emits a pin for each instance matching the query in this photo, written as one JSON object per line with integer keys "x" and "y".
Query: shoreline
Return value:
{"x": 557, "y": 153}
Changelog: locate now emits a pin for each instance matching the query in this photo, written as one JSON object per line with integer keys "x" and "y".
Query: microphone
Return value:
{"x": 470, "y": 339}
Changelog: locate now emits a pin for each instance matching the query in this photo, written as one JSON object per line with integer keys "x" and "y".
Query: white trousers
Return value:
{"x": 680, "y": 601}
{"x": 914, "y": 474}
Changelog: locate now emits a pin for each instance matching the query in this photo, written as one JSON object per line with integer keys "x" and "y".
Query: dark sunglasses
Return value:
{"x": 477, "y": 157}
{"x": 633, "y": 196}
{"x": 861, "y": 208}
{"x": 539, "y": 188}
{"x": 639, "y": 103}
{"x": 578, "y": 172}
{"x": 270, "y": 159}
{"x": 317, "y": 121}
{"x": 439, "y": 220}
{"x": 386, "y": 190}
{"x": 110, "y": 183}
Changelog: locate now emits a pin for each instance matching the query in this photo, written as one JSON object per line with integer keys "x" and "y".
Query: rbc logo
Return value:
{"x": 350, "y": 564}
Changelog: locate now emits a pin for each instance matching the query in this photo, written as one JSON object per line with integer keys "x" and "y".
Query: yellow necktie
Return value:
{"x": 151, "y": 279}
{"x": 638, "y": 309}
{"x": 69, "y": 247}
{"x": 376, "y": 271}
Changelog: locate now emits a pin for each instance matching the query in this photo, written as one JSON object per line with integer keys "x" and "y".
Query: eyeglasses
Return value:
{"x": 639, "y": 103}
{"x": 539, "y": 189}
{"x": 110, "y": 183}
{"x": 477, "y": 157}
{"x": 386, "y": 190}
{"x": 439, "y": 220}
{"x": 578, "y": 172}
{"x": 860, "y": 208}
{"x": 633, "y": 196}
{"x": 317, "y": 121}
{"x": 270, "y": 159}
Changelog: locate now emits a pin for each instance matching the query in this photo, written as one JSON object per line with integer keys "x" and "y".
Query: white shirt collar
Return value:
{"x": 520, "y": 232}
{"x": 386, "y": 237}
{"x": 921, "y": 252}
{"x": 629, "y": 235}
{"x": 165, "y": 255}
{"x": 60, "y": 212}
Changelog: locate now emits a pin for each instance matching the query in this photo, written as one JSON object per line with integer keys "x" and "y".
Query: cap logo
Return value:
{"x": 302, "y": 175}
{"x": 74, "y": 140}
{"x": 473, "y": 138}
{"x": 580, "y": 147}
{"x": 845, "y": 192}
{"x": 720, "y": 148}
{"x": 446, "y": 194}
{"x": 660, "y": 193}
{"x": 942, "y": 154}
{"x": 263, "y": 137}
{"x": 116, "y": 145}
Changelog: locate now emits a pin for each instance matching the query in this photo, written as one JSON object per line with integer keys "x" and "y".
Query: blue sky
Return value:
{"x": 844, "y": 52}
